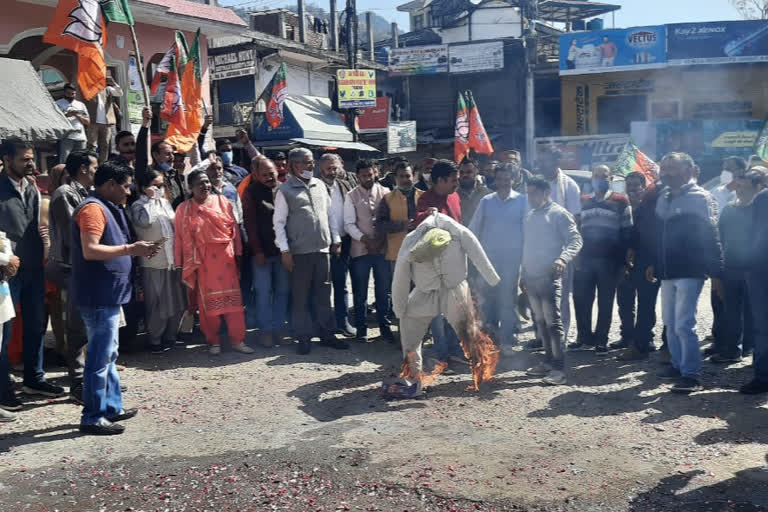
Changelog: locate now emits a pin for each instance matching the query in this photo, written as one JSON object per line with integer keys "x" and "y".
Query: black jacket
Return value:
{"x": 688, "y": 244}
{"x": 258, "y": 209}
{"x": 19, "y": 221}
{"x": 645, "y": 229}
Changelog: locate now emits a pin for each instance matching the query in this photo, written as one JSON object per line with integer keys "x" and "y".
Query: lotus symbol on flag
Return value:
{"x": 462, "y": 127}
{"x": 87, "y": 22}
{"x": 275, "y": 105}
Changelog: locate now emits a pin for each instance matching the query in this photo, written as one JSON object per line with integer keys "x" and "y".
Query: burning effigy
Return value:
{"x": 433, "y": 260}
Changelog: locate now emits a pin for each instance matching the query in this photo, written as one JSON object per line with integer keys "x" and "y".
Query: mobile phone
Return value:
{"x": 160, "y": 242}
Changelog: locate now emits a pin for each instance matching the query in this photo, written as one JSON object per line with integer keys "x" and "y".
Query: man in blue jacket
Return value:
{"x": 688, "y": 251}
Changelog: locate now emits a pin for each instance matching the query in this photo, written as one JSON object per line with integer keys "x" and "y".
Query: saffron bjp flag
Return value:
{"x": 478, "y": 138}
{"x": 180, "y": 52}
{"x": 633, "y": 160}
{"x": 78, "y": 25}
{"x": 461, "y": 131}
{"x": 172, "y": 109}
{"x": 761, "y": 142}
{"x": 274, "y": 96}
{"x": 184, "y": 136}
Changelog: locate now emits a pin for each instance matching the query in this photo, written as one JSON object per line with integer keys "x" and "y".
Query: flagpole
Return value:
{"x": 144, "y": 87}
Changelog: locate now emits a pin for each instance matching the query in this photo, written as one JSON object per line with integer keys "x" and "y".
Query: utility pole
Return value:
{"x": 302, "y": 21}
{"x": 530, "y": 11}
{"x": 352, "y": 46}
{"x": 395, "y": 36}
{"x": 334, "y": 27}
{"x": 369, "y": 26}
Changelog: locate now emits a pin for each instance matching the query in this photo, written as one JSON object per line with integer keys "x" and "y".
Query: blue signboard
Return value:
{"x": 719, "y": 42}
{"x": 613, "y": 50}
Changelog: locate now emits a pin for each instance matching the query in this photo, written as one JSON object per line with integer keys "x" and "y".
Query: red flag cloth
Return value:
{"x": 184, "y": 136}
{"x": 274, "y": 96}
{"x": 173, "y": 103}
{"x": 478, "y": 138}
{"x": 78, "y": 25}
{"x": 462, "y": 131}
{"x": 179, "y": 50}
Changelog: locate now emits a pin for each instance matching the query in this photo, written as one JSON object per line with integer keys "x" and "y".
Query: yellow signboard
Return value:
{"x": 357, "y": 88}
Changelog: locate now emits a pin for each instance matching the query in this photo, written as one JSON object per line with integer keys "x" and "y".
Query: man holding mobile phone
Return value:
{"x": 77, "y": 114}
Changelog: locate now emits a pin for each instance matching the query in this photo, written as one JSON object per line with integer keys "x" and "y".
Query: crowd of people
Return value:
{"x": 272, "y": 245}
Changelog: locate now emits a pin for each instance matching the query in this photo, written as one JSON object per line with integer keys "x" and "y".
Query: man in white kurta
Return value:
{"x": 440, "y": 284}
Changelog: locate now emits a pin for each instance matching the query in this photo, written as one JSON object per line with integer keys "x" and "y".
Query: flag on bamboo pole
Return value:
{"x": 172, "y": 109}
{"x": 117, "y": 11}
{"x": 274, "y": 97}
{"x": 79, "y": 25}
{"x": 761, "y": 142}
{"x": 184, "y": 136}
{"x": 461, "y": 131}
{"x": 478, "y": 138}
{"x": 634, "y": 160}
{"x": 180, "y": 51}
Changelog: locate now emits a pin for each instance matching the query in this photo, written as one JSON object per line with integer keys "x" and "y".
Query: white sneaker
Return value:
{"x": 243, "y": 349}
{"x": 555, "y": 378}
{"x": 214, "y": 350}
{"x": 540, "y": 370}
{"x": 7, "y": 416}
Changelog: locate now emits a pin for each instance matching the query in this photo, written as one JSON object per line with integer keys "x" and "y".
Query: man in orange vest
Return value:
{"x": 397, "y": 211}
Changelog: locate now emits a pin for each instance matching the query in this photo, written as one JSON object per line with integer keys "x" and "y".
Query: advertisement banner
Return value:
{"x": 613, "y": 50}
{"x": 583, "y": 152}
{"x": 418, "y": 60}
{"x": 134, "y": 96}
{"x": 232, "y": 64}
{"x": 469, "y": 58}
{"x": 374, "y": 119}
{"x": 357, "y": 88}
{"x": 718, "y": 42}
{"x": 401, "y": 137}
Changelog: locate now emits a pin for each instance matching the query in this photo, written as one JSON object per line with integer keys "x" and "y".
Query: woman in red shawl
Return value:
{"x": 207, "y": 248}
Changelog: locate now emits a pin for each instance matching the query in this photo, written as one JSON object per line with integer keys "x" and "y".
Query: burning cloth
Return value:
{"x": 436, "y": 264}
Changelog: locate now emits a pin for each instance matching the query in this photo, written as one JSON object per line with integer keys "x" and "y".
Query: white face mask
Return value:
{"x": 306, "y": 174}
{"x": 426, "y": 176}
{"x": 726, "y": 177}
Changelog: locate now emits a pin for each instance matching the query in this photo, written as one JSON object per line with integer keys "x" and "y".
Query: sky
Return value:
{"x": 633, "y": 12}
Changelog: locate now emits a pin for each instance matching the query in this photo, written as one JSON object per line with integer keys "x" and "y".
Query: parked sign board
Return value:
{"x": 583, "y": 152}
{"x": 419, "y": 60}
{"x": 720, "y": 42}
{"x": 357, "y": 88}
{"x": 232, "y": 64}
{"x": 613, "y": 50}
{"x": 469, "y": 58}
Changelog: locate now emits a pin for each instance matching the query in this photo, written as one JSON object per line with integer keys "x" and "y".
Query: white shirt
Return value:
{"x": 337, "y": 208}
{"x": 101, "y": 106}
{"x": 280, "y": 218}
{"x": 723, "y": 196}
{"x": 21, "y": 187}
{"x": 566, "y": 193}
{"x": 75, "y": 106}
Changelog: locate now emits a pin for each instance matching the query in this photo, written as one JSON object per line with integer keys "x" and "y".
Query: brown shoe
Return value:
{"x": 632, "y": 354}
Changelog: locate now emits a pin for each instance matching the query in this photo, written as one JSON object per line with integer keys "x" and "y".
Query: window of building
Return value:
{"x": 51, "y": 77}
{"x": 418, "y": 22}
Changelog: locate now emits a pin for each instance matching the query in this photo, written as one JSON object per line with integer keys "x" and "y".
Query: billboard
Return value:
{"x": 357, "y": 88}
{"x": 232, "y": 64}
{"x": 401, "y": 137}
{"x": 583, "y": 152}
{"x": 470, "y": 58}
{"x": 374, "y": 119}
{"x": 419, "y": 60}
{"x": 720, "y": 42}
{"x": 613, "y": 50}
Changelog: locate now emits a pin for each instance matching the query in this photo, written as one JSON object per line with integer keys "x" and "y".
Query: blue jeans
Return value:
{"x": 679, "y": 298}
{"x": 446, "y": 339}
{"x": 272, "y": 287}
{"x": 360, "y": 270}
{"x": 499, "y": 304}
{"x": 339, "y": 271}
{"x": 637, "y": 329}
{"x": 758, "y": 301}
{"x": 28, "y": 289}
{"x": 101, "y": 384}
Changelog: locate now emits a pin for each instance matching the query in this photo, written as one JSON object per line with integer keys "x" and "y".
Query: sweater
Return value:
{"x": 19, "y": 220}
{"x": 606, "y": 228}
{"x": 449, "y": 205}
{"x": 258, "y": 209}
{"x": 550, "y": 233}
{"x": 498, "y": 224}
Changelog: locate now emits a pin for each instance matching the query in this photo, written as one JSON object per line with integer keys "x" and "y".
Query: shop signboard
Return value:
{"x": 357, "y": 88}
{"x": 474, "y": 57}
{"x": 603, "y": 51}
{"x": 134, "y": 96}
{"x": 418, "y": 60}
{"x": 583, "y": 152}
{"x": 719, "y": 42}
{"x": 401, "y": 137}
{"x": 374, "y": 119}
{"x": 232, "y": 64}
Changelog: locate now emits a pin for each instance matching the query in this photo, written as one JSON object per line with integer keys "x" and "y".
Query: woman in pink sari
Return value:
{"x": 207, "y": 248}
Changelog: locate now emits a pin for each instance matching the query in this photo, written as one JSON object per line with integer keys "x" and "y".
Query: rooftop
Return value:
{"x": 198, "y": 10}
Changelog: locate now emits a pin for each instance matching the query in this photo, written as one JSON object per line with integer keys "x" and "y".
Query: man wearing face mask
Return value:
{"x": 162, "y": 160}
{"x": 306, "y": 235}
{"x": 688, "y": 251}
{"x": 232, "y": 173}
{"x": 397, "y": 211}
{"x": 425, "y": 175}
{"x": 606, "y": 227}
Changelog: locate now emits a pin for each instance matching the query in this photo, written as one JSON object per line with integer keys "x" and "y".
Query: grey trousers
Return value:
{"x": 545, "y": 297}
{"x": 311, "y": 296}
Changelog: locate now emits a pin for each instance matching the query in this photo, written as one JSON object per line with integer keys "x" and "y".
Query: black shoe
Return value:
{"x": 725, "y": 358}
{"x": 579, "y": 346}
{"x": 103, "y": 428}
{"x": 44, "y": 389}
{"x": 533, "y": 345}
{"x": 618, "y": 345}
{"x": 710, "y": 351}
{"x": 76, "y": 394}
{"x": 11, "y": 403}
{"x": 304, "y": 348}
{"x": 335, "y": 343}
{"x": 687, "y": 385}
{"x": 651, "y": 347}
{"x": 748, "y": 352}
{"x": 754, "y": 387}
{"x": 387, "y": 334}
{"x": 668, "y": 373}
{"x": 160, "y": 349}
{"x": 347, "y": 330}
{"x": 125, "y": 414}
{"x": 601, "y": 350}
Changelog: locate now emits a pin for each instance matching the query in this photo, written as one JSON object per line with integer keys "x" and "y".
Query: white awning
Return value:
{"x": 359, "y": 146}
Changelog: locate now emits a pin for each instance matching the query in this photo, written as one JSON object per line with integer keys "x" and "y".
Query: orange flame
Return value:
{"x": 479, "y": 349}
{"x": 408, "y": 371}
